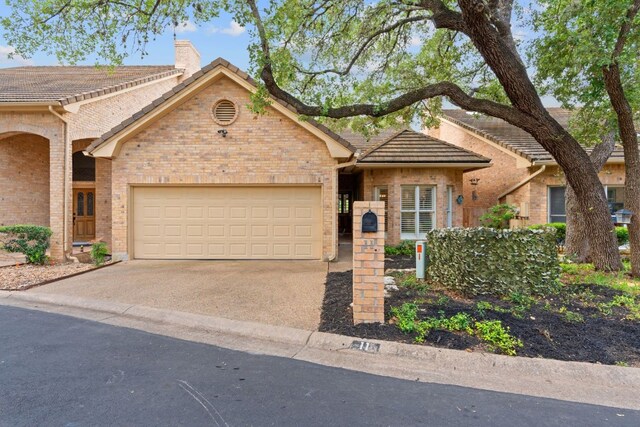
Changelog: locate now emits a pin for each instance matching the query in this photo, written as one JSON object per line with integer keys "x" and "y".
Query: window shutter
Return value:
{"x": 426, "y": 198}
{"x": 408, "y": 198}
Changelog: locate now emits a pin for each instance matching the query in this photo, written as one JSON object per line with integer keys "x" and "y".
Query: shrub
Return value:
{"x": 98, "y": 252}
{"x": 31, "y": 240}
{"x": 622, "y": 234}
{"x": 498, "y": 216}
{"x": 406, "y": 247}
{"x": 485, "y": 261}
{"x": 560, "y": 227}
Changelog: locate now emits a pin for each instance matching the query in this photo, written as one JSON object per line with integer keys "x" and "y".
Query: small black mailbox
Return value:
{"x": 369, "y": 222}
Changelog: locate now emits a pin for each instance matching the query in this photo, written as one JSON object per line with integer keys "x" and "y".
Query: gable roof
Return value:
{"x": 192, "y": 82}
{"x": 362, "y": 142}
{"x": 514, "y": 138}
{"x": 64, "y": 85}
{"x": 410, "y": 147}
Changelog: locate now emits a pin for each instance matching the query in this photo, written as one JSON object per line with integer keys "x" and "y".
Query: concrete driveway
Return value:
{"x": 287, "y": 293}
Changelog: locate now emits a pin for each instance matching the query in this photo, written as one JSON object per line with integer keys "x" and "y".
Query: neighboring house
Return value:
{"x": 196, "y": 174}
{"x": 523, "y": 173}
{"x": 48, "y": 116}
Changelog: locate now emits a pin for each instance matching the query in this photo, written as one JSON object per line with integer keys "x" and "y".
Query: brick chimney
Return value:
{"x": 187, "y": 58}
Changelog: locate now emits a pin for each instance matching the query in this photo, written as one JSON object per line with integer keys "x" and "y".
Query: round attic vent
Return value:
{"x": 224, "y": 112}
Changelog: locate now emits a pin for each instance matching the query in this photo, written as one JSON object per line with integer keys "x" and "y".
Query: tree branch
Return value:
{"x": 448, "y": 89}
{"x": 632, "y": 12}
{"x": 364, "y": 45}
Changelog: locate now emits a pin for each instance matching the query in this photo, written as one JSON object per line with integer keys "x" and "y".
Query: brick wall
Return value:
{"x": 95, "y": 118}
{"x": 187, "y": 58}
{"x": 495, "y": 180}
{"x": 507, "y": 171}
{"x": 395, "y": 178}
{"x": 368, "y": 266}
{"x": 612, "y": 174}
{"x": 24, "y": 180}
{"x": 185, "y": 148}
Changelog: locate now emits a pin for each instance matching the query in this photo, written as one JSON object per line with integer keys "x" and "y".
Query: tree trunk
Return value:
{"x": 629, "y": 138}
{"x": 596, "y": 218}
{"x": 577, "y": 242}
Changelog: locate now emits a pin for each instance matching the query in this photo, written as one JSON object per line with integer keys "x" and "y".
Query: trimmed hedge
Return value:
{"x": 622, "y": 233}
{"x": 31, "y": 240}
{"x": 486, "y": 261}
{"x": 560, "y": 227}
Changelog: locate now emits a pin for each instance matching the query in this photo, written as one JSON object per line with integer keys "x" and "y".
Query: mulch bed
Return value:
{"x": 399, "y": 262}
{"x": 544, "y": 332}
{"x": 25, "y": 276}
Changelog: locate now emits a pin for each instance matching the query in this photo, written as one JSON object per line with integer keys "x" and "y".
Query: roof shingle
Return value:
{"x": 68, "y": 84}
{"x": 408, "y": 146}
{"x": 512, "y": 137}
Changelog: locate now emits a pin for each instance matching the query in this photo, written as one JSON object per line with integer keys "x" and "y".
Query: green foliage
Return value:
{"x": 572, "y": 268}
{"x": 99, "y": 251}
{"x": 409, "y": 281}
{"x": 622, "y": 234}
{"x": 405, "y": 316}
{"x": 485, "y": 261}
{"x": 491, "y": 332}
{"x": 626, "y": 301}
{"x": 499, "y": 216}
{"x": 497, "y": 336}
{"x": 560, "y": 227}
{"x": 576, "y": 40}
{"x": 482, "y": 307}
{"x": 571, "y": 316}
{"x": 31, "y": 240}
{"x": 406, "y": 247}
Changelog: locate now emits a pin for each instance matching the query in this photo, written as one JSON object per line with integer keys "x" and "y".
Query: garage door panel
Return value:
{"x": 227, "y": 222}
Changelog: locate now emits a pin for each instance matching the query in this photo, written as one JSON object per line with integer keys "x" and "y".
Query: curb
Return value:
{"x": 573, "y": 381}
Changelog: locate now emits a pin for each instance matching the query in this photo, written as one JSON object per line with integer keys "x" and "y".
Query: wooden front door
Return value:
{"x": 84, "y": 220}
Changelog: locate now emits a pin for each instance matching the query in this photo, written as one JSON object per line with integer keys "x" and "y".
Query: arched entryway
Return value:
{"x": 24, "y": 179}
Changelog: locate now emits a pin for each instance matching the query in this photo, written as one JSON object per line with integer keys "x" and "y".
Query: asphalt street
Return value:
{"x": 63, "y": 371}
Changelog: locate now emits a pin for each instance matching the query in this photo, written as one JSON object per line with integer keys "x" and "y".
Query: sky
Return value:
{"x": 220, "y": 38}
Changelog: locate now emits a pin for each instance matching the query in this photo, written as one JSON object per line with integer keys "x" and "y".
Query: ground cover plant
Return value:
{"x": 591, "y": 316}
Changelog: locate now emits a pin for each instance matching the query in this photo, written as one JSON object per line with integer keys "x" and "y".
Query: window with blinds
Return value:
{"x": 417, "y": 211}
{"x": 557, "y": 212}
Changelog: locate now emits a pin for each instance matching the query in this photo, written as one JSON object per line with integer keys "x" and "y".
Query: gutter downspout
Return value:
{"x": 523, "y": 182}
{"x": 65, "y": 192}
{"x": 334, "y": 233}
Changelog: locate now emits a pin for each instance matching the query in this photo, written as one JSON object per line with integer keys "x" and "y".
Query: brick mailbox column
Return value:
{"x": 368, "y": 265}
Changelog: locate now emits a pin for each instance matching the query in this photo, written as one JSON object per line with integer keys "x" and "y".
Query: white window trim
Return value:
{"x": 549, "y": 187}
{"x": 376, "y": 191}
{"x": 449, "y": 206}
{"x": 417, "y": 211}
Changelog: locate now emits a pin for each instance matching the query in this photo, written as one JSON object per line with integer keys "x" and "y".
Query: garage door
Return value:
{"x": 227, "y": 223}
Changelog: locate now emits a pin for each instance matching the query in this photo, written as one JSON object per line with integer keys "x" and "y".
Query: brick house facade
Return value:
{"x": 223, "y": 179}
{"x": 170, "y": 162}
{"x": 49, "y": 113}
{"x": 523, "y": 173}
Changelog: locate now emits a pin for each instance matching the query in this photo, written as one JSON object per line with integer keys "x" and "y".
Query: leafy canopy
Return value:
{"x": 576, "y": 40}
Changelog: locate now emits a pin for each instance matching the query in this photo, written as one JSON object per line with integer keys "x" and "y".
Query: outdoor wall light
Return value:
{"x": 223, "y": 132}
{"x": 474, "y": 181}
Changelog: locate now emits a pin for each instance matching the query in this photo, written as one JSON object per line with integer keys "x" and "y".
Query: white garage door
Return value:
{"x": 227, "y": 223}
